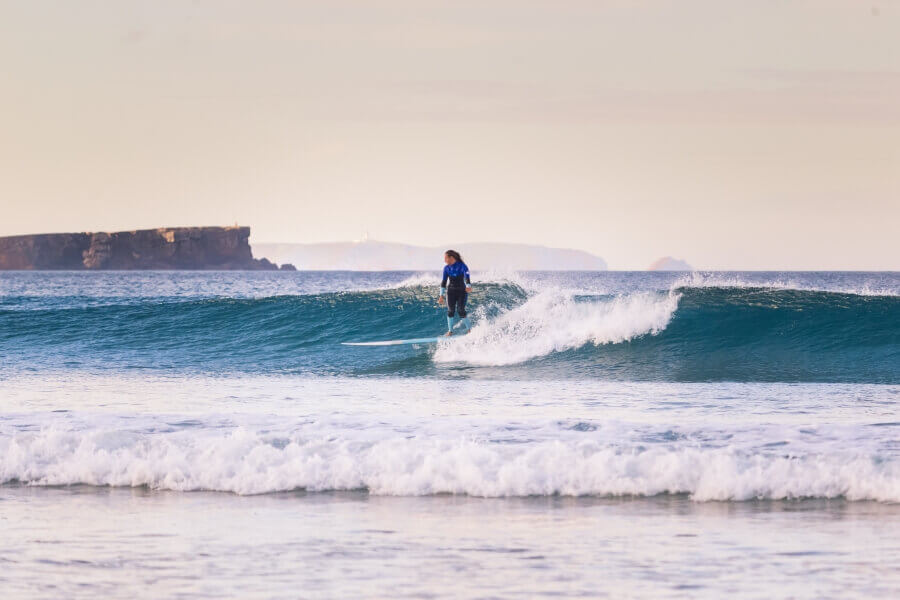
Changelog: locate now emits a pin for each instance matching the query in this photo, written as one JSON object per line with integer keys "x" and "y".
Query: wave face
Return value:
{"x": 688, "y": 331}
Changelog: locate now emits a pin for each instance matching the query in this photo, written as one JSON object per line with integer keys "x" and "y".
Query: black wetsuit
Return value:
{"x": 456, "y": 278}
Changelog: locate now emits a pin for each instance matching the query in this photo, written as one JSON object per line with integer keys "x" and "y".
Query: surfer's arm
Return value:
{"x": 444, "y": 282}
{"x": 443, "y": 286}
{"x": 468, "y": 281}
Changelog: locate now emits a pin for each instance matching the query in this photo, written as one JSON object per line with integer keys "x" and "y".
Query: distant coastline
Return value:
{"x": 165, "y": 248}
{"x": 228, "y": 248}
{"x": 371, "y": 255}
{"x": 667, "y": 263}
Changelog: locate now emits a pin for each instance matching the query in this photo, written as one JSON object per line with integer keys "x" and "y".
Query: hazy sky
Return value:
{"x": 753, "y": 134}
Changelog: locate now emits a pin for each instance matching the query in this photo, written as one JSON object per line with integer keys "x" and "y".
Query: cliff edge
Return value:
{"x": 166, "y": 248}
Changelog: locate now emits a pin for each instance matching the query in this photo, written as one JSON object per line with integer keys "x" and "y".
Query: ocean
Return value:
{"x": 598, "y": 434}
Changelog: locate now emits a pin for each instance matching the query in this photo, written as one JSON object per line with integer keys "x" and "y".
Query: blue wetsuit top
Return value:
{"x": 457, "y": 274}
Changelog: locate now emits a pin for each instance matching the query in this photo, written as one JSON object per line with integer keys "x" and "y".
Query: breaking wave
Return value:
{"x": 247, "y": 461}
{"x": 704, "y": 333}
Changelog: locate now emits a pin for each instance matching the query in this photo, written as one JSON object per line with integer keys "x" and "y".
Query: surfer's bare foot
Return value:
{"x": 448, "y": 334}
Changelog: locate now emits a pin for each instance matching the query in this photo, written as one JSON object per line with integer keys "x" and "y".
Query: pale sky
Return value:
{"x": 734, "y": 135}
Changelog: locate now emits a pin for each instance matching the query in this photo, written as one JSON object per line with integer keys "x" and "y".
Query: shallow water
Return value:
{"x": 597, "y": 434}
{"x": 404, "y": 436}
{"x": 140, "y": 543}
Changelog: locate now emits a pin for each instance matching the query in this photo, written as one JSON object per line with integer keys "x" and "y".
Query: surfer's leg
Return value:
{"x": 451, "y": 319}
{"x": 461, "y": 308}
{"x": 452, "y": 302}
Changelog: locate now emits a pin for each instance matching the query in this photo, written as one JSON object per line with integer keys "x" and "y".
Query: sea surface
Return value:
{"x": 597, "y": 434}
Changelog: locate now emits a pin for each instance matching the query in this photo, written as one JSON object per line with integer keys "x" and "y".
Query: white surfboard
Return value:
{"x": 428, "y": 340}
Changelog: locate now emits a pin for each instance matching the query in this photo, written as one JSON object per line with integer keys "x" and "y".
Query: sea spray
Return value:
{"x": 553, "y": 321}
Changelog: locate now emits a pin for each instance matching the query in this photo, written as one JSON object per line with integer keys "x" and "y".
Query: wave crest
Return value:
{"x": 248, "y": 462}
{"x": 553, "y": 321}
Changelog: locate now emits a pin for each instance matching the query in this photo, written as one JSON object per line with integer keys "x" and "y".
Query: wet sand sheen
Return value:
{"x": 82, "y": 541}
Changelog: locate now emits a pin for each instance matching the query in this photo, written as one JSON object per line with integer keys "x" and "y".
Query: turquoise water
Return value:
{"x": 632, "y": 327}
{"x": 598, "y": 434}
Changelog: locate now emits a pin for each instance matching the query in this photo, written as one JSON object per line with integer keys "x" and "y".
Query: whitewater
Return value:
{"x": 647, "y": 428}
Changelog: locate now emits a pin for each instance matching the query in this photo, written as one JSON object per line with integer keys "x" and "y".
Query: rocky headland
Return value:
{"x": 166, "y": 248}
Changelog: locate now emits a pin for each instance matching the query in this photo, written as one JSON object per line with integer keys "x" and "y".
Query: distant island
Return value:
{"x": 370, "y": 255}
{"x": 667, "y": 263}
{"x": 166, "y": 248}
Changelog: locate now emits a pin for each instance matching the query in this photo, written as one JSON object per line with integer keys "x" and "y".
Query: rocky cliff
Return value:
{"x": 204, "y": 248}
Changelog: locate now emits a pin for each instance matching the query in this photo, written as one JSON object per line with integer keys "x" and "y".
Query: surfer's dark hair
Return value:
{"x": 455, "y": 255}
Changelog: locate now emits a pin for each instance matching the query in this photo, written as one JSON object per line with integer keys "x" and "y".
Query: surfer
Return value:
{"x": 456, "y": 284}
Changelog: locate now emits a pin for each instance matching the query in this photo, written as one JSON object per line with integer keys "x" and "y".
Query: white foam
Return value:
{"x": 553, "y": 321}
{"x": 245, "y": 461}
